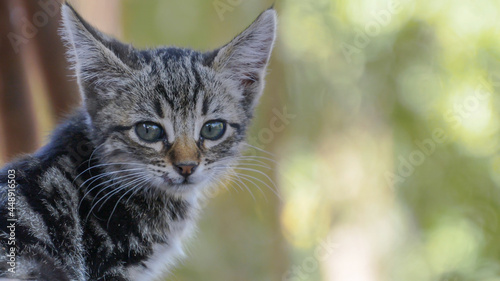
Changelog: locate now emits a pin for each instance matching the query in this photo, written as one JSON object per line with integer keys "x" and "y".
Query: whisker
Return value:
{"x": 97, "y": 177}
{"x": 118, "y": 180}
{"x": 260, "y": 172}
{"x": 221, "y": 175}
{"x": 253, "y": 162}
{"x": 121, "y": 179}
{"x": 259, "y": 149}
{"x": 133, "y": 193}
{"x": 255, "y": 178}
{"x": 134, "y": 181}
{"x": 256, "y": 185}
{"x": 254, "y": 158}
{"x": 237, "y": 175}
{"x": 102, "y": 165}
{"x": 246, "y": 187}
{"x": 250, "y": 164}
{"x": 245, "y": 176}
{"x": 258, "y": 157}
{"x": 104, "y": 197}
{"x": 120, "y": 187}
{"x": 92, "y": 155}
{"x": 136, "y": 187}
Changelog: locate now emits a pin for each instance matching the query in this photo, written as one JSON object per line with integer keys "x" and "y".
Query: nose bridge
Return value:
{"x": 184, "y": 151}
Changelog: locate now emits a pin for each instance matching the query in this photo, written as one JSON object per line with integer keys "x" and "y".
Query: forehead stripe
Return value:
{"x": 204, "y": 108}
{"x": 158, "y": 109}
{"x": 197, "y": 79}
{"x": 160, "y": 89}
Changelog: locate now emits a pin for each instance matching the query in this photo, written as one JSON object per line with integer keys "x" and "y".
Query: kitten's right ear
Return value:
{"x": 99, "y": 60}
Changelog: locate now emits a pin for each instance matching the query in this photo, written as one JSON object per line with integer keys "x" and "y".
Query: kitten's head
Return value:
{"x": 173, "y": 117}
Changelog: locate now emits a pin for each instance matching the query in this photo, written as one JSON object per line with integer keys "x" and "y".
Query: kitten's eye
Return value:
{"x": 149, "y": 132}
{"x": 213, "y": 130}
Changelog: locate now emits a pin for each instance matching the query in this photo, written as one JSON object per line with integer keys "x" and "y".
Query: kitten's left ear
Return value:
{"x": 245, "y": 58}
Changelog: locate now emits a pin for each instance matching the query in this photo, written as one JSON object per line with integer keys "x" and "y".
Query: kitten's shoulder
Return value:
{"x": 68, "y": 145}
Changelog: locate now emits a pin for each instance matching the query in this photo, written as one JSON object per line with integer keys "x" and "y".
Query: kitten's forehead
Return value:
{"x": 177, "y": 69}
{"x": 180, "y": 80}
{"x": 175, "y": 75}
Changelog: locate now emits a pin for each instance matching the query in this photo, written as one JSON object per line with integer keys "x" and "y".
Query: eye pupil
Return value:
{"x": 213, "y": 130}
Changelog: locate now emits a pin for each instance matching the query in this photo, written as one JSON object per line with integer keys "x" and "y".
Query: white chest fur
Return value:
{"x": 164, "y": 256}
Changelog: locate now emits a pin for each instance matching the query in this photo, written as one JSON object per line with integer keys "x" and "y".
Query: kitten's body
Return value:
{"x": 141, "y": 237}
{"x": 99, "y": 202}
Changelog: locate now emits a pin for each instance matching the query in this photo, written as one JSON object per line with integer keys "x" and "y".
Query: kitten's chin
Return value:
{"x": 180, "y": 181}
{"x": 179, "y": 187}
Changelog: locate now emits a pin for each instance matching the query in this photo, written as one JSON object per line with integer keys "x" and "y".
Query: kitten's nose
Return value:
{"x": 185, "y": 169}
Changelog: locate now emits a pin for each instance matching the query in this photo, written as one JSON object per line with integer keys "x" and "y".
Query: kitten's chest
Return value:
{"x": 163, "y": 255}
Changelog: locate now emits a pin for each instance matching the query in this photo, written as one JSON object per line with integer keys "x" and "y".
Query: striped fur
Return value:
{"x": 98, "y": 202}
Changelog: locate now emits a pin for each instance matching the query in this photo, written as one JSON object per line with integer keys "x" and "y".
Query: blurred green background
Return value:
{"x": 379, "y": 123}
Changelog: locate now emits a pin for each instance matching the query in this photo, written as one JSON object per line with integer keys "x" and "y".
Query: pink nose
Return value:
{"x": 185, "y": 169}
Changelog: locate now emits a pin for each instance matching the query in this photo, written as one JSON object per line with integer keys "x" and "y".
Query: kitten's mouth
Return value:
{"x": 171, "y": 181}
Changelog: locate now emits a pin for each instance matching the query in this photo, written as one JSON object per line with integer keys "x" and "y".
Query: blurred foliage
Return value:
{"x": 380, "y": 123}
{"x": 391, "y": 154}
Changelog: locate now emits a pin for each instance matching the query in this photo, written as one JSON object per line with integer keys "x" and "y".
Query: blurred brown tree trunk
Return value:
{"x": 18, "y": 130}
{"x": 31, "y": 47}
{"x": 61, "y": 88}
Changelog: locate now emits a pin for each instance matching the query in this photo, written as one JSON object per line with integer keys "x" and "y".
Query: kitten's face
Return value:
{"x": 175, "y": 118}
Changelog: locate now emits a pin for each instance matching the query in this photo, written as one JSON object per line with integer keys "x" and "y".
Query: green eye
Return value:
{"x": 149, "y": 132}
{"x": 213, "y": 130}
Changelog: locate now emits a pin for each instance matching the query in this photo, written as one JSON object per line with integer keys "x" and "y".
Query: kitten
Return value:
{"x": 116, "y": 190}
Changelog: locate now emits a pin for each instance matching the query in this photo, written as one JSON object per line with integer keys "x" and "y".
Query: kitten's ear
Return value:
{"x": 98, "y": 59}
{"x": 245, "y": 58}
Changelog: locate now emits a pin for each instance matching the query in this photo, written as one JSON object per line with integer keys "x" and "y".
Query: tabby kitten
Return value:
{"x": 117, "y": 189}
